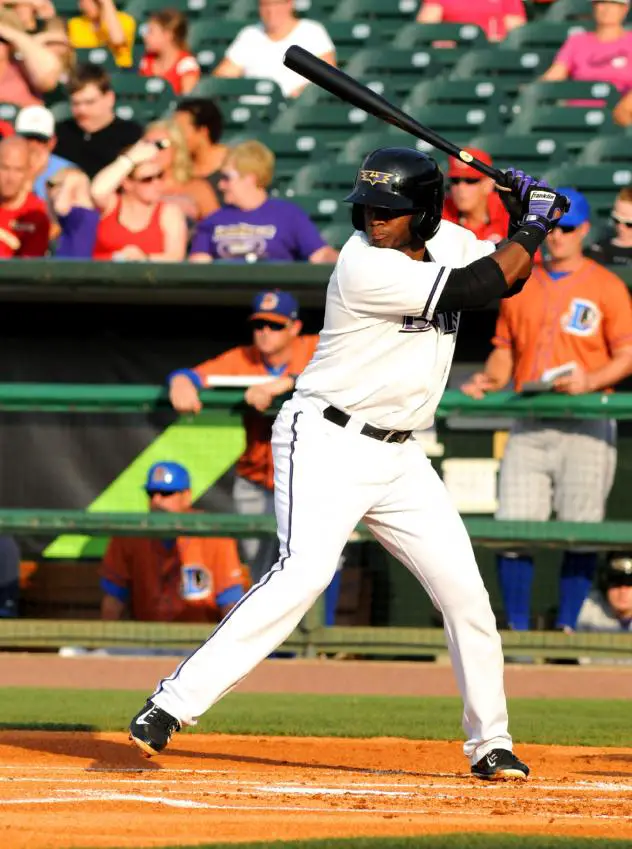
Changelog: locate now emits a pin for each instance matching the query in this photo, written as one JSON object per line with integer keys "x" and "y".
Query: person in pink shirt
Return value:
{"x": 495, "y": 17}
{"x": 604, "y": 55}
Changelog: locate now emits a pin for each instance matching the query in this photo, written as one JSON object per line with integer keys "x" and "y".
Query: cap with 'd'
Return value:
{"x": 167, "y": 477}
{"x": 458, "y": 168}
{"x": 275, "y": 305}
{"x": 579, "y": 211}
{"x": 36, "y": 122}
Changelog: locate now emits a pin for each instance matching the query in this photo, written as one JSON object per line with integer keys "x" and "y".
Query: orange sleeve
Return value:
{"x": 502, "y": 336}
{"x": 228, "y": 576}
{"x": 234, "y": 361}
{"x": 617, "y": 307}
{"x": 115, "y": 571}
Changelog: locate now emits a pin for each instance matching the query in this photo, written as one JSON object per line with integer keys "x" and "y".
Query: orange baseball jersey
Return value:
{"x": 255, "y": 463}
{"x": 582, "y": 317}
{"x": 184, "y": 580}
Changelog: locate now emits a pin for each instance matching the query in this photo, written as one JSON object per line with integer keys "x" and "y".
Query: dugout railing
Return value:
{"x": 311, "y": 638}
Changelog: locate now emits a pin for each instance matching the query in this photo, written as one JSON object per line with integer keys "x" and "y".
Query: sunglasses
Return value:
{"x": 150, "y": 178}
{"x": 51, "y": 184}
{"x": 618, "y": 220}
{"x": 469, "y": 181}
{"x": 260, "y": 323}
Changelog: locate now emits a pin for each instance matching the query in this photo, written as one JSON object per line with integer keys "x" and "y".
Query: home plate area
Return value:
{"x": 81, "y": 789}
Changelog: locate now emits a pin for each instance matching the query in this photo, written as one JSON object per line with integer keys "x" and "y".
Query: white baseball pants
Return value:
{"x": 327, "y": 479}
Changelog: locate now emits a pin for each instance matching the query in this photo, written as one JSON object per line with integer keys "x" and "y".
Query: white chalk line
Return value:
{"x": 192, "y": 804}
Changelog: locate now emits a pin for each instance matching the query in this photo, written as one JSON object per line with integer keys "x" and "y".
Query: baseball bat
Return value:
{"x": 341, "y": 85}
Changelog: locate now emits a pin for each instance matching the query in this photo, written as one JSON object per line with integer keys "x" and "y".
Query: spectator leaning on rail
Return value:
{"x": 36, "y": 124}
{"x": 135, "y": 223}
{"x": 202, "y": 125}
{"x": 280, "y": 353}
{"x": 604, "y": 55}
{"x": 616, "y": 249}
{"x": 473, "y": 202}
{"x": 495, "y": 17}
{"x": 167, "y": 52}
{"x": 609, "y": 605}
{"x": 253, "y": 226}
{"x": 94, "y": 136}
{"x": 101, "y": 25}
{"x": 24, "y": 224}
{"x": 27, "y": 69}
{"x": 185, "y": 579}
{"x": 258, "y": 50}
{"x": 572, "y": 312}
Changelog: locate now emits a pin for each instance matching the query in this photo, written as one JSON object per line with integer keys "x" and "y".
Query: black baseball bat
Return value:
{"x": 341, "y": 85}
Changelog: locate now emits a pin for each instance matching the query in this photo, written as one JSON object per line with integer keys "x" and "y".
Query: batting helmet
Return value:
{"x": 404, "y": 179}
{"x": 617, "y": 571}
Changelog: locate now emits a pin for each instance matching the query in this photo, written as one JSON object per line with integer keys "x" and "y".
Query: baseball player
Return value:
{"x": 344, "y": 450}
{"x": 576, "y": 316}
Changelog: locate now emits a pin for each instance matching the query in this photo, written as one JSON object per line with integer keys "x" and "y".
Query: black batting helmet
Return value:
{"x": 400, "y": 178}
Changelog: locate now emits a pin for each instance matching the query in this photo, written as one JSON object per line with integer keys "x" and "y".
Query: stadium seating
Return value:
{"x": 336, "y": 177}
{"x": 606, "y": 149}
{"x": 531, "y": 153}
{"x": 509, "y": 69}
{"x": 337, "y": 234}
{"x": 572, "y": 126}
{"x": 437, "y": 38}
{"x": 358, "y": 146}
{"x": 351, "y": 36}
{"x": 331, "y": 124}
{"x": 388, "y": 16}
{"x": 319, "y": 10}
{"x": 209, "y": 38}
{"x": 291, "y": 152}
{"x": 599, "y": 183}
{"x": 322, "y": 207}
{"x": 540, "y": 95}
{"x": 481, "y": 92}
{"x": 399, "y": 70}
{"x": 261, "y": 97}
{"x": 569, "y": 10}
{"x": 141, "y": 9}
{"x": 141, "y": 98}
{"x": 547, "y": 34}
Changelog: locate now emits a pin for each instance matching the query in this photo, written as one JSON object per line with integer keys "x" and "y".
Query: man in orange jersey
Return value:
{"x": 280, "y": 353}
{"x": 472, "y": 200}
{"x": 572, "y": 313}
{"x": 186, "y": 579}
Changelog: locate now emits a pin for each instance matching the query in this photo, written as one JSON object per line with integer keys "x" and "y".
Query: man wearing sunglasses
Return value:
{"x": 616, "y": 249}
{"x": 572, "y": 313}
{"x": 278, "y": 353}
{"x": 472, "y": 200}
{"x": 609, "y": 605}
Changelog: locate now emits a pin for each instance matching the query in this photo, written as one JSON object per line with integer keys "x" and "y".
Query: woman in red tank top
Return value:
{"x": 167, "y": 52}
{"x": 135, "y": 224}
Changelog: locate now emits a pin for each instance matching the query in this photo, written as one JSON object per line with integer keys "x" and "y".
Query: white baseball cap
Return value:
{"x": 36, "y": 122}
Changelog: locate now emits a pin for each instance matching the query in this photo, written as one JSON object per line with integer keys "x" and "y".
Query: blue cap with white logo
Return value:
{"x": 275, "y": 304}
{"x": 579, "y": 211}
{"x": 167, "y": 477}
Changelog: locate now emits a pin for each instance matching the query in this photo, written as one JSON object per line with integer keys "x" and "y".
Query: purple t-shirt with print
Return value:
{"x": 78, "y": 233}
{"x": 277, "y": 230}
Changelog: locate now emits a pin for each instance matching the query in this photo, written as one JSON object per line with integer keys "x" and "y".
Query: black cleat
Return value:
{"x": 151, "y": 729}
{"x": 500, "y": 765}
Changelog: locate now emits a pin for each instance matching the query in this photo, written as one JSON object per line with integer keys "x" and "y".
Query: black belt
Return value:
{"x": 338, "y": 417}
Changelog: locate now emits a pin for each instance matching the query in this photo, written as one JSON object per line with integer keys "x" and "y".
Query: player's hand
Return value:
{"x": 260, "y": 397}
{"x": 543, "y": 207}
{"x": 183, "y": 395}
{"x": 517, "y": 182}
{"x": 577, "y": 383}
{"x": 142, "y": 151}
{"x": 477, "y": 386}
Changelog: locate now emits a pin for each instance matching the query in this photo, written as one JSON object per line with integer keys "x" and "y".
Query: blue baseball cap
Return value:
{"x": 275, "y": 304}
{"x": 167, "y": 477}
{"x": 579, "y": 211}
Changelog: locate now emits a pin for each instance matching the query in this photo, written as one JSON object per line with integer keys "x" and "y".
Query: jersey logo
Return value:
{"x": 374, "y": 177}
{"x": 196, "y": 582}
{"x": 443, "y": 322}
{"x": 582, "y": 318}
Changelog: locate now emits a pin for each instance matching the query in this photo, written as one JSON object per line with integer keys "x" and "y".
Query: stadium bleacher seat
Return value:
{"x": 436, "y": 38}
{"x": 103, "y": 56}
{"x": 533, "y": 153}
{"x": 141, "y": 9}
{"x": 322, "y": 207}
{"x": 337, "y": 234}
{"x": 470, "y": 93}
{"x": 569, "y": 10}
{"x": 141, "y": 98}
{"x": 388, "y": 16}
{"x": 358, "y": 146}
{"x": 573, "y": 126}
{"x": 331, "y": 124}
{"x": 456, "y": 119}
{"x": 539, "y": 95}
{"x": 600, "y": 183}
{"x": 318, "y": 10}
{"x": 209, "y": 39}
{"x": 336, "y": 178}
{"x": 510, "y": 69}
{"x": 606, "y": 149}
{"x": 551, "y": 34}
{"x": 261, "y": 96}
{"x": 351, "y": 36}
{"x": 399, "y": 70}
{"x": 67, "y": 8}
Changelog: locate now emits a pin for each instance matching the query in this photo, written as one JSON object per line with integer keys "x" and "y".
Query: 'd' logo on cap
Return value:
{"x": 162, "y": 475}
{"x": 270, "y": 301}
{"x": 374, "y": 177}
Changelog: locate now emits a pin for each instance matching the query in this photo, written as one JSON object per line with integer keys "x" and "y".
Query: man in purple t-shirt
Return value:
{"x": 252, "y": 226}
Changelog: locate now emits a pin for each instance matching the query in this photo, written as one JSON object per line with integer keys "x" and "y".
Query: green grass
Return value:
{"x": 449, "y": 841}
{"x": 584, "y": 722}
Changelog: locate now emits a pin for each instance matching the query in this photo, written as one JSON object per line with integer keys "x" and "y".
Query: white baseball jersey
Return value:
{"x": 384, "y": 353}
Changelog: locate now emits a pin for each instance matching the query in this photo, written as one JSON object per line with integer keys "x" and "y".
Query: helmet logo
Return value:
{"x": 374, "y": 177}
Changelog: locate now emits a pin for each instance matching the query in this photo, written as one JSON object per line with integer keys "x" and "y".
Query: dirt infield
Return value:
{"x": 60, "y": 789}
